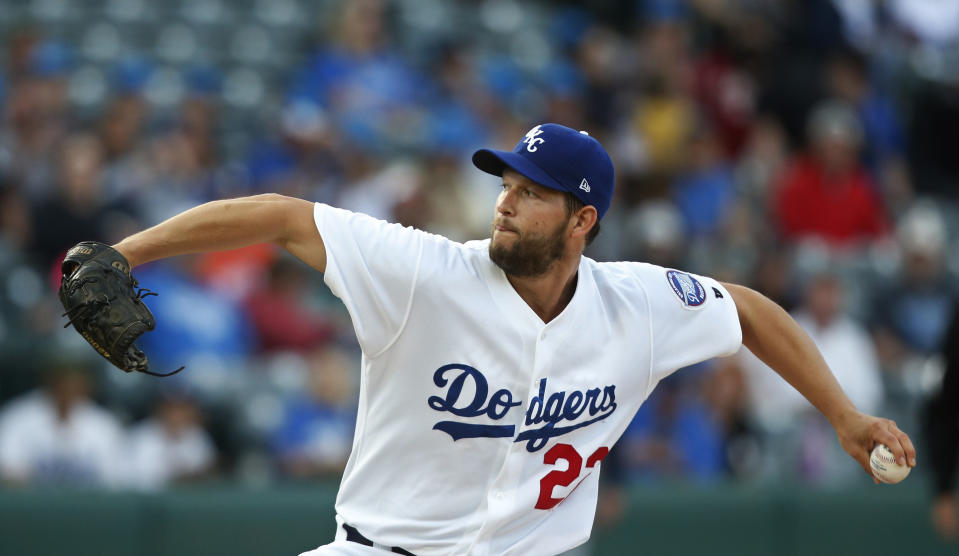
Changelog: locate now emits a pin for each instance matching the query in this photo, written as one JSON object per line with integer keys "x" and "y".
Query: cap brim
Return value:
{"x": 494, "y": 162}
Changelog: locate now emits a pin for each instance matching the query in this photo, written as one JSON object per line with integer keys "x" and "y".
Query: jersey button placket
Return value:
{"x": 501, "y": 507}
{"x": 503, "y": 502}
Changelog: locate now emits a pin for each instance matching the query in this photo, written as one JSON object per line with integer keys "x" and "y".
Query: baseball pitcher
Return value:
{"x": 497, "y": 374}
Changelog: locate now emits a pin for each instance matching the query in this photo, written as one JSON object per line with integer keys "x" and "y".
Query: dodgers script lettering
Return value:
{"x": 558, "y": 413}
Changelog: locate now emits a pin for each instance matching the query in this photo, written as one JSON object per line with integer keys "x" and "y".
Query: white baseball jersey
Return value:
{"x": 481, "y": 429}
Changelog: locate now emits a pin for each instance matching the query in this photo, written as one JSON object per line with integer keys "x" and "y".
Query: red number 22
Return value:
{"x": 566, "y": 476}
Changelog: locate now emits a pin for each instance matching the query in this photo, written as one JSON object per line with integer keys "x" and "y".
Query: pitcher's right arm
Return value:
{"x": 231, "y": 224}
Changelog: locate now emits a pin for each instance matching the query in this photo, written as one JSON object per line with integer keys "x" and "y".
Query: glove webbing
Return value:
{"x": 141, "y": 293}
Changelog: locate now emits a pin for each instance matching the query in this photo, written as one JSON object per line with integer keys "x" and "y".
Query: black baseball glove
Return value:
{"x": 105, "y": 306}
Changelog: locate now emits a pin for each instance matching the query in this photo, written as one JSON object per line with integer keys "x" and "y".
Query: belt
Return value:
{"x": 353, "y": 535}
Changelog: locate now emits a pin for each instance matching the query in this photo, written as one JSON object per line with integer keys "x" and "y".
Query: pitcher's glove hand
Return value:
{"x": 105, "y": 306}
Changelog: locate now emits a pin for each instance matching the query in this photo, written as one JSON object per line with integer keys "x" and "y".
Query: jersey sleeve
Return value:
{"x": 692, "y": 318}
{"x": 371, "y": 265}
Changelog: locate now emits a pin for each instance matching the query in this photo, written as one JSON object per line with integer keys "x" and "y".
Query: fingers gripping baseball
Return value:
{"x": 862, "y": 434}
{"x": 902, "y": 446}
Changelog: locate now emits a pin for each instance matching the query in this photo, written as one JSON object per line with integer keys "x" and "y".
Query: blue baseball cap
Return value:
{"x": 560, "y": 158}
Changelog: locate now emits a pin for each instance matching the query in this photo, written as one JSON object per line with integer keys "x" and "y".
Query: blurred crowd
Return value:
{"x": 803, "y": 148}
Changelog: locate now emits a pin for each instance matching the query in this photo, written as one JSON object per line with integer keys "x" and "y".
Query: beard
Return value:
{"x": 529, "y": 256}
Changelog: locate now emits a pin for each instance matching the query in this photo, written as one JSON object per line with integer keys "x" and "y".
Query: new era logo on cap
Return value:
{"x": 557, "y": 157}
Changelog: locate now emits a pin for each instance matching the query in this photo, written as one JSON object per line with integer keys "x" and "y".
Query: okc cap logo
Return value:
{"x": 688, "y": 289}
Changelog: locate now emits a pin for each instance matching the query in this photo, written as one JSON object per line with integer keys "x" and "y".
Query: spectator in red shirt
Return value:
{"x": 279, "y": 315}
{"x": 826, "y": 193}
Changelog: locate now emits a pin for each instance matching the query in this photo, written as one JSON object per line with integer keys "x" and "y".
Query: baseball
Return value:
{"x": 884, "y": 466}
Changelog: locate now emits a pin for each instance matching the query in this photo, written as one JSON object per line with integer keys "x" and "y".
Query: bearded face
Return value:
{"x": 527, "y": 254}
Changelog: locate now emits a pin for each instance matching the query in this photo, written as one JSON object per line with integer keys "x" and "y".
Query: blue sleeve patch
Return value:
{"x": 688, "y": 289}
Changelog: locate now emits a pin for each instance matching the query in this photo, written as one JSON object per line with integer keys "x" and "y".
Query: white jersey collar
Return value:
{"x": 521, "y": 313}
